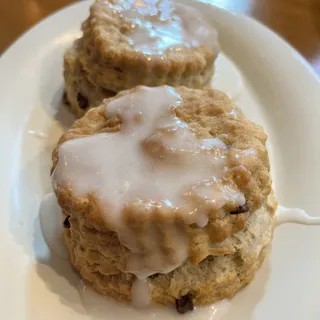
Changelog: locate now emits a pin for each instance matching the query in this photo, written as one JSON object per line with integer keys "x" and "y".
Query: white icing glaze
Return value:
{"x": 154, "y": 164}
{"x": 158, "y": 25}
{"x": 153, "y": 258}
{"x": 252, "y": 153}
{"x": 295, "y": 215}
{"x": 99, "y": 306}
{"x": 140, "y": 293}
{"x": 202, "y": 221}
{"x": 37, "y": 134}
{"x": 51, "y": 222}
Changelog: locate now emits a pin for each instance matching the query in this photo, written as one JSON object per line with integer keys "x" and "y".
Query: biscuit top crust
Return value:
{"x": 152, "y": 174}
{"x": 154, "y": 26}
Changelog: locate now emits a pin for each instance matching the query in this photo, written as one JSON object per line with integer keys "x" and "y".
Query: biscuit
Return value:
{"x": 122, "y": 47}
{"x": 95, "y": 245}
{"x": 112, "y": 60}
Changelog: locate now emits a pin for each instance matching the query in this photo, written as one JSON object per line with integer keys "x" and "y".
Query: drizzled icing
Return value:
{"x": 295, "y": 215}
{"x": 157, "y": 25}
{"x": 141, "y": 297}
{"x": 153, "y": 177}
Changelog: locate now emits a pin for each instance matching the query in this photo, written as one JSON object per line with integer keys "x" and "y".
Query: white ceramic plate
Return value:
{"x": 279, "y": 91}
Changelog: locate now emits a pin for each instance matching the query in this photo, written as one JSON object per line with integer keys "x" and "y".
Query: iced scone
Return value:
{"x": 126, "y": 43}
{"x": 166, "y": 196}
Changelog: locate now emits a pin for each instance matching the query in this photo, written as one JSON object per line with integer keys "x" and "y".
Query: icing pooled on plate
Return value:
{"x": 295, "y": 215}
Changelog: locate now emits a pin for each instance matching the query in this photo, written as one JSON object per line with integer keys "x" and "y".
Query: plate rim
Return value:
{"x": 40, "y": 24}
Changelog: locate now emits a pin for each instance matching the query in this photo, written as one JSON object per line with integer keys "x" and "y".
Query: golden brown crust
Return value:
{"x": 98, "y": 256}
{"x": 103, "y": 62}
{"x": 81, "y": 93}
{"x": 210, "y": 114}
{"x": 105, "y": 47}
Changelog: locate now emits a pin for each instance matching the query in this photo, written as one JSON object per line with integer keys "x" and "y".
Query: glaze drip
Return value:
{"x": 295, "y": 215}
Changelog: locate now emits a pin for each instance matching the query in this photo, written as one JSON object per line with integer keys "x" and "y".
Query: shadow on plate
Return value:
{"x": 63, "y": 114}
{"x": 58, "y": 275}
{"x": 249, "y": 297}
{"x": 26, "y": 195}
{"x": 30, "y": 182}
{"x": 27, "y": 189}
{"x": 31, "y": 179}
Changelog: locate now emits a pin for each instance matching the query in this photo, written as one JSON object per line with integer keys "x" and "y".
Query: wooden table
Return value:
{"x": 298, "y": 21}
